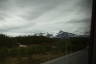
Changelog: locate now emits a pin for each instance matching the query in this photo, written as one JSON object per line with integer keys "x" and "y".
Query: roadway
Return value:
{"x": 79, "y": 57}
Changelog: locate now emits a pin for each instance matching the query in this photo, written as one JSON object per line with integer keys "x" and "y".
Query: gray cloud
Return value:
{"x": 27, "y": 16}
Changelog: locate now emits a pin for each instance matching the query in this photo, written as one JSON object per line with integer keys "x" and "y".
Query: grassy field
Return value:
{"x": 29, "y": 55}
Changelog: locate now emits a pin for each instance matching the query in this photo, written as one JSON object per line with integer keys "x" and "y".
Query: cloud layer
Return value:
{"x": 33, "y": 16}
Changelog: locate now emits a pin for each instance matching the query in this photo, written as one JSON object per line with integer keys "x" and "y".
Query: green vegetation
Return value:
{"x": 38, "y": 48}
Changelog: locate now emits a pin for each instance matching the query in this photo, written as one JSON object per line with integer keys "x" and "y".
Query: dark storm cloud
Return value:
{"x": 76, "y": 21}
{"x": 83, "y": 25}
{"x": 27, "y": 16}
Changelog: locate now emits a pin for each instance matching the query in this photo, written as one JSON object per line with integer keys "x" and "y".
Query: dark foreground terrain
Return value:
{"x": 34, "y": 49}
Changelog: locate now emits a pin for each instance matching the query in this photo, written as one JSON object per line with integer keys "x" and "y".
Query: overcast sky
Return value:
{"x": 19, "y": 17}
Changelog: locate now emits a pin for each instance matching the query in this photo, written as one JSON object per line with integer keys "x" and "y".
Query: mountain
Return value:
{"x": 62, "y": 34}
{"x": 83, "y": 36}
